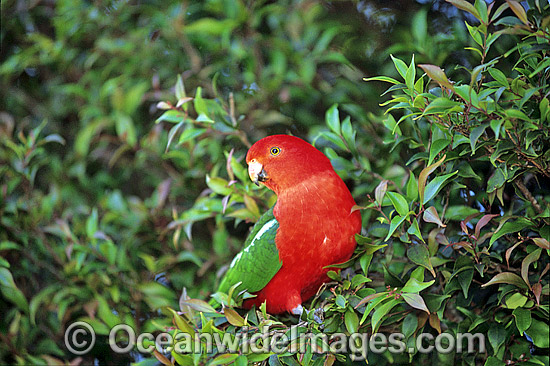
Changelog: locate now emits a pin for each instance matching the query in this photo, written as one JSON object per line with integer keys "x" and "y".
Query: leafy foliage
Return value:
{"x": 106, "y": 219}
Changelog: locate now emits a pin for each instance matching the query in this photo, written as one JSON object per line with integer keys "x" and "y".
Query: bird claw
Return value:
{"x": 316, "y": 317}
{"x": 299, "y": 310}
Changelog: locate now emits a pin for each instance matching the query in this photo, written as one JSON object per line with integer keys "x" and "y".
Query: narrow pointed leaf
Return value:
{"x": 416, "y": 301}
{"x": 437, "y": 74}
{"x": 530, "y": 258}
{"x": 424, "y": 176}
{"x": 506, "y": 277}
{"x": 431, "y": 215}
{"x": 466, "y": 6}
{"x": 399, "y": 202}
{"x": 418, "y": 253}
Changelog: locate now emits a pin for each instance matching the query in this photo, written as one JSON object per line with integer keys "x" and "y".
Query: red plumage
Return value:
{"x": 316, "y": 224}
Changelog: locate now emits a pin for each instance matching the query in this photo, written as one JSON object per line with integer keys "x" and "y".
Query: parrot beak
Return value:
{"x": 256, "y": 172}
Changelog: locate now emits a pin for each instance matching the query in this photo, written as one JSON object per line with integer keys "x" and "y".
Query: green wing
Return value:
{"x": 258, "y": 262}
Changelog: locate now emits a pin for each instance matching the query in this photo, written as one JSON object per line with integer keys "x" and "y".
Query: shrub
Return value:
{"x": 106, "y": 219}
{"x": 457, "y": 235}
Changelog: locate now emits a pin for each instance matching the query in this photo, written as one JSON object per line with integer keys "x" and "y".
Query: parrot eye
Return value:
{"x": 275, "y": 151}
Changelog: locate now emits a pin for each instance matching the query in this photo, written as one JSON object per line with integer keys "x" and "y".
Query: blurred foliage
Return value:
{"x": 106, "y": 216}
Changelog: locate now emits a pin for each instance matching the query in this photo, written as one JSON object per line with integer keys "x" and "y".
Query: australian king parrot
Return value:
{"x": 311, "y": 226}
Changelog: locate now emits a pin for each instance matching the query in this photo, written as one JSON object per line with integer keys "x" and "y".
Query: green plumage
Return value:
{"x": 259, "y": 261}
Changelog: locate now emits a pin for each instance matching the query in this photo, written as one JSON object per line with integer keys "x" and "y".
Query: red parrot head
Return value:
{"x": 282, "y": 161}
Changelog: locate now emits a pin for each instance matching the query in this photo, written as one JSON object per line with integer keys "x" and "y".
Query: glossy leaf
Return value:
{"x": 424, "y": 176}
{"x": 437, "y": 75}
{"x": 418, "y": 253}
{"x": 508, "y": 278}
{"x": 416, "y": 301}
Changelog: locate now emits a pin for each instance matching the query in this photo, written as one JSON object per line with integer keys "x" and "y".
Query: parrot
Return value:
{"x": 312, "y": 225}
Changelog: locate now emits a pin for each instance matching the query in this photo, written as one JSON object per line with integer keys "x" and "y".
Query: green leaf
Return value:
{"x": 380, "y": 191}
{"x": 335, "y": 139}
{"x": 156, "y": 295}
{"x": 495, "y": 126}
{"x": 241, "y": 361}
{"x": 172, "y": 133}
{"x": 435, "y": 186}
{"x": 395, "y": 222}
{"x": 416, "y": 301}
{"x": 530, "y": 258}
{"x": 442, "y": 106}
{"x": 382, "y": 78}
{"x": 538, "y": 331}
{"x": 218, "y": 185}
{"x": 508, "y": 278}
{"x": 409, "y": 325}
{"x": 211, "y": 26}
{"x": 542, "y": 243}
{"x": 496, "y": 181}
{"x": 224, "y": 359}
{"x": 171, "y": 116}
{"x": 392, "y": 125}
{"x": 431, "y": 215}
{"x": 418, "y": 253}
{"x": 380, "y": 312}
{"x": 438, "y": 75}
{"x": 9, "y": 290}
{"x": 474, "y": 136}
{"x": 412, "y": 187}
{"x": 419, "y": 26}
{"x": 191, "y": 133}
{"x": 180, "y": 89}
{"x": 465, "y": 280}
{"x": 466, "y": 6}
{"x": 516, "y": 114}
{"x": 349, "y": 134}
{"x": 204, "y": 118}
{"x": 414, "y": 229}
{"x": 258, "y": 357}
{"x": 400, "y": 66}
{"x": 544, "y": 109}
{"x": 181, "y": 323}
{"x": 233, "y": 317}
{"x": 481, "y": 7}
{"x": 499, "y": 77}
{"x": 125, "y": 129}
{"x": 91, "y": 224}
{"x": 493, "y": 361}
{"x": 497, "y": 336}
{"x": 351, "y": 320}
{"x": 38, "y": 299}
{"x": 399, "y": 202}
{"x": 424, "y": 176}
{"x": 435, "y": 302}
{"x": 414, "y": 286}
{"x": 410, "y": 76}
{"x": 436, "y": 148}
{"x": 371, "y": 248}
{"x": 518, "y": 9}
{"x": 515, "y": 300}
{"x": 333, "y": 119}
{"x": 199, "y": 305}
{"x": 511, "y": 227}
{"x": 499, "y": 11}
{"x": 341, "y": 301}
{"x": 476, "y": 36}
{"x": 364, "y": 262}
{"x": 199, "y": 103}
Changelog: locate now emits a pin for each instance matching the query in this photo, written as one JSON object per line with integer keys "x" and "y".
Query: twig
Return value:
{"x": 528, "y": 195}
